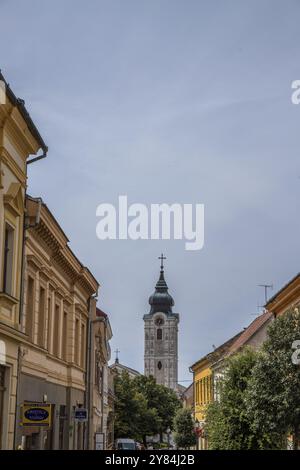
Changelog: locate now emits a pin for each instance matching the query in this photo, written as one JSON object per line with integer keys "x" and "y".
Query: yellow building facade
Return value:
{"x": 54, "y": 350}
{"x": 59, "y": 302}
{"x": 203, "y": 395}
{"x": 205, "y": 388}
{"x": 19, "y": 138}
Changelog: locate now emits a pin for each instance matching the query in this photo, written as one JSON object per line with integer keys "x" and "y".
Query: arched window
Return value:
{"x": 159, "y": 365}
{"x": 159, "y": 333}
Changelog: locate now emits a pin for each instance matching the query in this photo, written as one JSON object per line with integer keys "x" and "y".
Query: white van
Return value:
{"x": 125, "y": 444}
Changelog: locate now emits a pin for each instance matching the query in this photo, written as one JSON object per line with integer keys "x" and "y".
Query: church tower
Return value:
{"x": 161, "y": 335}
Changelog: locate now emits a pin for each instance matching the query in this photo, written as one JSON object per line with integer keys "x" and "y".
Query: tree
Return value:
{"x": 216, "y": 427}
{"x": 273, "y": 396}
{"x": 227, "y": 425}
{"x": 184, "y": 428}
{"x": 143, "y": 408}
{"x": 133, "y": 417}
{"x": 160, "y": 398}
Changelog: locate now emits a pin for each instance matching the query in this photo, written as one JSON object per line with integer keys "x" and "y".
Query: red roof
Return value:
{"x": 220, "y": 351}
{"x": 250, "y": 331}
{"x": 100, "y": 313}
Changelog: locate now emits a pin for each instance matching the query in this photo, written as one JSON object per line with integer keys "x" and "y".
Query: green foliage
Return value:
{"x": 273, "y": 396}
{"x": 184, "y": 427}
{"x": 260, "y": 400}
{"x": 131, "y": 409}
{"x": 162, "y": 399}
{"x": 216, "y": 427}
{"x": 142, "y": 408}
{"x": 227, "y": 424}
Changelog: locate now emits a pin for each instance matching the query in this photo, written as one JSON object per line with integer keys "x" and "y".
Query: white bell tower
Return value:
{"x": 161, "y": 335}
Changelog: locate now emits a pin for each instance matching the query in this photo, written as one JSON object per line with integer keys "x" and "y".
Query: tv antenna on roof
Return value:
{"x": 266, "y": 287}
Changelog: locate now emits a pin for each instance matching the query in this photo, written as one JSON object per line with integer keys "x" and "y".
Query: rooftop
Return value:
{"x": 24, "y": 113}
{"x": 247, "y": 334}
{"x": 217, "y": 352}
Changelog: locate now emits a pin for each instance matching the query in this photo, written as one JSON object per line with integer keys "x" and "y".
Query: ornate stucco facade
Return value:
{"x": 161, "y": 336}
{"x": 101, "y": 384}
{"x": 58, "y": 304}
{"x": 51, "y": 349}
{"x": 19, "y": 138}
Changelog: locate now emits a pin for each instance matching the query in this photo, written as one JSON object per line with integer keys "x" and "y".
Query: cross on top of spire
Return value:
{"x": 161, "y": 300}
{"x": 117, "y": 356}
{"x": 162, "y": 258}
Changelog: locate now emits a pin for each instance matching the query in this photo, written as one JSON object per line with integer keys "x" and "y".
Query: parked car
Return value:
{"x": 125, "y": 444}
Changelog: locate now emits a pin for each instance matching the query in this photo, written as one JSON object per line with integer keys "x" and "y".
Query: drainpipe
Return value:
{"x": 21, "y": 301}
{"x": 88, "y": 380}
{"x": 19, "y": 365}
{"x": 39, "y": 157}
{"x": 25, "y": 227}
{"x": 194, "y": 413}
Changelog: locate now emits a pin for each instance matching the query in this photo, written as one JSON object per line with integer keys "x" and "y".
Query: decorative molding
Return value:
{"x": 14, "y": 200}
{"x": 13, "y": 166}
{"x": 1, "y": 176}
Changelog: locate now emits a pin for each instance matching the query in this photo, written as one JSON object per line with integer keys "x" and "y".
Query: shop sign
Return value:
{"x": 81, "y": 414}
{"x": 99, "y": 441}
{"x": 36, "y": 414}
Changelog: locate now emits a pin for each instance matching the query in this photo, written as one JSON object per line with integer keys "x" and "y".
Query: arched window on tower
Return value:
{"x": 159, "y": 333}
{"x": 159, "y": 365}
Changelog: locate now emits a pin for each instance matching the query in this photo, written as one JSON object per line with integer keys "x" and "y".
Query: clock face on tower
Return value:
{"x": 159, "y": 321}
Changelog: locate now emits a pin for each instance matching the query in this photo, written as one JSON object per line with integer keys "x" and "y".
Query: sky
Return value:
{"x": 167, "y": 101}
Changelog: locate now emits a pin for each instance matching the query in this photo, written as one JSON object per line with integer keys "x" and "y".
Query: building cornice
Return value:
{"x": 6, "y": 158}
{"x": 285, "y": 297}
{"x": 21, "y": 119}
{"x": 50, "y": 232}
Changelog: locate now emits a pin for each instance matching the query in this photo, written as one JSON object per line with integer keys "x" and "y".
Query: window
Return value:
{"x": 159, "y": 365}
{"x": 2, "y": 352}
{"x": 65, "y": 336}
{"x": 8, "y": 259}
{"x": 218, "y": 387}
{"x": 49, "y": 323}
{"x": 41, "y": 319}
{"x": 209, "y": 389}
{"x": 99, "y": 373}
{"x": 159, "y": 334}
{"x": 2, "y": 392}
{"x": 201, "y": 392}
{"x": 82, "y": 359}
{"x": 56, "y": 335}
{"x": 76, "y": 345}
{"x": 29, "y": 325}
